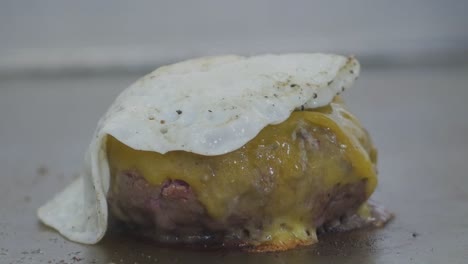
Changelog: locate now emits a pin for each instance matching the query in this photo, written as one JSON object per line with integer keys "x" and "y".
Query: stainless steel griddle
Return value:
{"x": 417, "y": 116}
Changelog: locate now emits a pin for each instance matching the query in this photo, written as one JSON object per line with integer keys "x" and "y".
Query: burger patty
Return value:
{"x": 171, "y": 212}
{"x": 274, "y": 193}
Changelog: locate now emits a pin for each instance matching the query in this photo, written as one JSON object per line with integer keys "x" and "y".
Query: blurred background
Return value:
{"x": 63, "y": 62}
{"x": 76, "y": 36}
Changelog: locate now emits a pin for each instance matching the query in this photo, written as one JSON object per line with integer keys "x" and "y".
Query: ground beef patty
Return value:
{"x": 171, "y": 213}
{"x": 274, "y": 193}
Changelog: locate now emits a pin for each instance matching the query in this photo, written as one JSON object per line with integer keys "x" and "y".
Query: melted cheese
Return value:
{"x": 278, "y": 172}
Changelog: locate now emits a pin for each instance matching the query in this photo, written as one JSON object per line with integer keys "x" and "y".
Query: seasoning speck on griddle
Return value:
{"x": 42, "y": 170}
